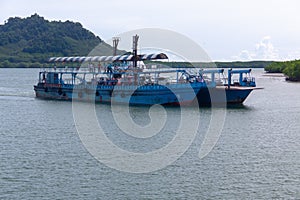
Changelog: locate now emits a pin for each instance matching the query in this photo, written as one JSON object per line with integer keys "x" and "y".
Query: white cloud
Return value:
{"x": 245, "y": 55}
{"x": 264, "y": 50}
{"x": 293, "y": 55}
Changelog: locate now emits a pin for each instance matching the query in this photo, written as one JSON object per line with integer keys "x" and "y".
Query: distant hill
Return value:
{"x": 28, "y": 42}
{"x": 235, "y": 64}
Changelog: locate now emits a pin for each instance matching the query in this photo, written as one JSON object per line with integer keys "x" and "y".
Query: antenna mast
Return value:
{"x": 134, "y": 48}
{"x": 115, "y": 45}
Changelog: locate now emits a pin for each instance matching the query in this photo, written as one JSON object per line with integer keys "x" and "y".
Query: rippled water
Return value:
{"x": 256, "y": 157}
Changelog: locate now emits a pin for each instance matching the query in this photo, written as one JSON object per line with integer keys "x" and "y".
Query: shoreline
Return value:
{"x": 276, "y": 74}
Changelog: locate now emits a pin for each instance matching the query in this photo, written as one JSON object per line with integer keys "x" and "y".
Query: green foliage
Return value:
{"x": 290, "y": 68}
{"x": 28, "y": 42}
{"x": 276, "y": 67}
{"x": 247, "y": 64}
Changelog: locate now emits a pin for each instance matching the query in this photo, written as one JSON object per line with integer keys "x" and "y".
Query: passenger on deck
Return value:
{"x": 101, "y": 81}
{"x": 199, "y": 79}
{"x": 109, "y": 69}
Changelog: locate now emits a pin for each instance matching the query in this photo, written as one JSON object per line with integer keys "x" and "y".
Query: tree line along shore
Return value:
{"x": 291, "y": 69}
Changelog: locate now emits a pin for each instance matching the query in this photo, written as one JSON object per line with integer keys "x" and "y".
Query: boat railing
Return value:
{"x": 151, "y": 76}
{"x": 214, "y": 75}
{"x": 244, "y": 78}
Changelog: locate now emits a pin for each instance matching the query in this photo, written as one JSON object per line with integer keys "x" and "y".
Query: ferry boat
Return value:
{"x": 125, "y": 79}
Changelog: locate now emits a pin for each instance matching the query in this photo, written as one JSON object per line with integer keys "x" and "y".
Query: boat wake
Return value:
{"x": 23, "y": 95}
{"x": 16, "y": 92}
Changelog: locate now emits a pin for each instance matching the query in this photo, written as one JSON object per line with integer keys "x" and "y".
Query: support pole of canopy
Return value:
{"x": 229, "y": 77}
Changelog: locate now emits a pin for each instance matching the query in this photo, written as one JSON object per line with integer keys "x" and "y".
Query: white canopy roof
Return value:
{"x": 108, "y": 58}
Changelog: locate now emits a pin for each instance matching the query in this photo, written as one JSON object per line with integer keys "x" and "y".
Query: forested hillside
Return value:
{"x": 28, "y": 42}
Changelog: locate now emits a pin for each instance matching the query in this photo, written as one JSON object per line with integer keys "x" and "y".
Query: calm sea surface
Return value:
{"x": 256, "y": 157}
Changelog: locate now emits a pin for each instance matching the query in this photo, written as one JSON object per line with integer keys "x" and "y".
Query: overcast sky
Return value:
{"x": 226, "y": 30}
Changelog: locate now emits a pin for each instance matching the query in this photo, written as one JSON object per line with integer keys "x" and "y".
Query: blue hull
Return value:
{"x": 184, "y": 94}
{"x": 219, "y": 96}
{"x": 143, "y": 95}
